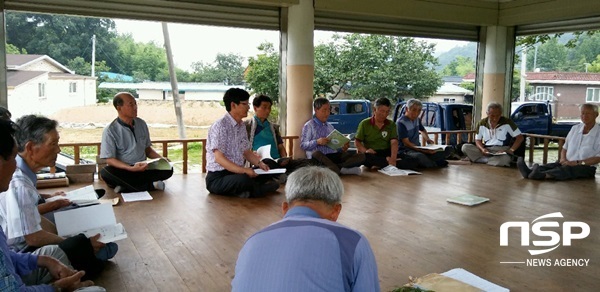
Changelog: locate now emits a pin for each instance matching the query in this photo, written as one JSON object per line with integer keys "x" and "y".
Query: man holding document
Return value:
{"x": 326, "y": 145}
{"x": 126, "y": 145}
{"x": 228, "y": 147}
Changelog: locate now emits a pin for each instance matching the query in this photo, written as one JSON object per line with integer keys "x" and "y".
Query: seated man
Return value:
{"x": 227, "y": 147}
{"x": 37, "y": 145}
{"x": 261, "y": 132}
{"x": 492, "y": 141}
{"x": 377, "y": 138}
{"x": 579, "y": 155}
{"x": 410, "y": 130}
{"x": 126, "y": 146}
{"x": 314, "y": 141}
{"x": 308, "y": 250}
{"x": 36, "y": 270}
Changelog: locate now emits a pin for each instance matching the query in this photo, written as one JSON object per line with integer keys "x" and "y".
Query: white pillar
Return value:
{"x": 497, "y": 69}
{"x": 300, "y": 68}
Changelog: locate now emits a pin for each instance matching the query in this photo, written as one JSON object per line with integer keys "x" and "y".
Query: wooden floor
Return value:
{"x": 187, "y": 240}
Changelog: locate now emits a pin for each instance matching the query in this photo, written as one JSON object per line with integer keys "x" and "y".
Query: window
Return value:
{"x": 355, "y": 108}
{"x": 450, "y": 100}
{"x": 593, "y": 95}
{"x": 41, "y": 90}
{"x": 72, "y": 87}
{"x": 543, "y": 93}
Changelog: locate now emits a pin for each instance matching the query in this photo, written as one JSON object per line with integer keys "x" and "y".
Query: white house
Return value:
{"x": 162, "y": 90}
{"x": 38, "y": 84}
{"x": 450, "y": 93}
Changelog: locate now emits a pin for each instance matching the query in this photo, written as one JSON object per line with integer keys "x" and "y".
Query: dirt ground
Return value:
{"x": 85, "y": 124}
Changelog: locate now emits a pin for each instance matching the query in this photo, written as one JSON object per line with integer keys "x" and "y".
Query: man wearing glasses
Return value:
{"x": 228, "y": 148}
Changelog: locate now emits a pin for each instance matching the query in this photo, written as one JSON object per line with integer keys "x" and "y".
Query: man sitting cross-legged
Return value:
{"x": 126, "y": 146}
{"x": 227, "y": 148}
{"x": 314, "y": 141}
{"x": 377, "y": 138}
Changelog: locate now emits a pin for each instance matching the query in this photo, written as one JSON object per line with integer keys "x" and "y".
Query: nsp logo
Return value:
{"x": 540, "y": 229}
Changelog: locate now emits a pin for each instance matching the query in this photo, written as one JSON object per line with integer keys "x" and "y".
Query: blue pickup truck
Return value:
{"x": 346, "y": 114}
{"x": 538, "y": 118}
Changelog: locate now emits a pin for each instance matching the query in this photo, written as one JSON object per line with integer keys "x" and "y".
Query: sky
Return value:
{"x": 192, "y": 43}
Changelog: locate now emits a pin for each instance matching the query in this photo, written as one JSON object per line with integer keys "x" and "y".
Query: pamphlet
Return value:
{"x": 81, "y": 197}
{"x": 90, "y": 221}
{"x": 270, "y": 171}
{"x": 336, "y": 140}
{"x": 159, "y": 163}
{"x": 136, "y": 196}
{"x": 394, "y": 171}
{"x": 468, "y": 200}
{"x": 437, "y": 148}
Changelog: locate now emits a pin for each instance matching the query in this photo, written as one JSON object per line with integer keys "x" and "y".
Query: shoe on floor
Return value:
{"x": 525, "y": 171}
{"x": 91, "y": 289}
{"x": 107, "y": 252}
{"x": 118, "y": 189}
{"x": 351, "y": 170}
{"x": 159, "y": 185}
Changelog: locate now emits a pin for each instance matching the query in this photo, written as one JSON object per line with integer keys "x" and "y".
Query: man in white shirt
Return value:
{"x": 579, "y": 155}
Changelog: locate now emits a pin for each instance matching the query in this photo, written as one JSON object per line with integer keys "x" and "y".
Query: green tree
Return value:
{"x": 12, "y": 49}
{"x": 262, "y": 76}
{"x": 59, "y": 36}
{"x": 81, "y": 67}
{"x": 377, "y": 66}
{"x": 460, "y": 66}
{"x": 227, "y": 69}
{"x": 551, "y": 56}
{"x": 143, "y": 61}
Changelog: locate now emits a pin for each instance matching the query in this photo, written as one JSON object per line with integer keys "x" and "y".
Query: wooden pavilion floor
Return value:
{"x": 187, "y": 240}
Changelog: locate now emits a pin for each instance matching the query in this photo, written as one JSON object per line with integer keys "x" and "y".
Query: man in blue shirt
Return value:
{"x": 14, "y": 265}
{"x": 410, "y": 130}
{"x": 308, "y": 250}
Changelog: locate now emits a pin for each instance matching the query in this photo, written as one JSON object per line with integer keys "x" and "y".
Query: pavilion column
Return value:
{"x": 300, "y": 68}
{"x": 498, "y": 44}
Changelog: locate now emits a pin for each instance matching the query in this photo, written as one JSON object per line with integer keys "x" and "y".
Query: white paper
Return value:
{"x": 394, "y": 171}
{"x": 474, "y": 280}
{"x": 108, "y": 233}
{"x": 270, "y": 171}
{"x": 85, "y": 194}
{"x": 74, "y": 221}
{"x": 264, "y": 152}
{"x": 433, "y": 147}
{"x": 136, "y": 196}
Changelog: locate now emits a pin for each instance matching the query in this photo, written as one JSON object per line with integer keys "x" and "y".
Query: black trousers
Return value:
{"x": 133, "y": 181}
{"x": 565, "y": 172}
{"x": 227, "y": 183}
{"x": 379, "y": 159}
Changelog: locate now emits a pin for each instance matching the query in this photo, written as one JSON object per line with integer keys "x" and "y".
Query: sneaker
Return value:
{"x": 351, "y": 170}
{"x": 107, "y": 252}
{"x": 525, "y": 171}
{"x": 118, "y": 189}
{"x": 159, "y": 185}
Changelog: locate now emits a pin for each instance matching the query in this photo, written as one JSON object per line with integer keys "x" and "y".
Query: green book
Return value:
{"x": 468, "y": 200}
{"x": 336, "y": 140}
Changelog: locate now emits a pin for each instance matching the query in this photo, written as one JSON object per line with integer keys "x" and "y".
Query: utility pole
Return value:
{"x": 174, "y": 87}
{"x": 523, "y": 74}
{"x": 93, "y": 56}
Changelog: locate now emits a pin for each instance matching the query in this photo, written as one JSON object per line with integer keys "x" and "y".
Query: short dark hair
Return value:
{"x": 260, "y": 99}
{"x": 320, "y": 102}
{"x": 7, "y": 138}
{"x": 235, "y": 95}
{"x": 118, "y": 100}
{"x": 383, "y": 101}
{"x": 5, "y": 113}
{"x": 33, "y": 128}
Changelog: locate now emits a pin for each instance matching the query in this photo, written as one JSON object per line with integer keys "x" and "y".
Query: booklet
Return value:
{"x": 264, "y": 152}
{"x": 81, "y": 197}
{"x": 394, "y": 171}
{"x": 159, "y": 163}
{"x": 270, "y": 171}
{"x": 90, "y": 221}
{"x": 468, "y": 200}
{"x": 336, "y": 140}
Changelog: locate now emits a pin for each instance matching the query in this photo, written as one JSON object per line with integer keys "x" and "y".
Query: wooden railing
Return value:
{"x": 288, "y": 140}
{"x": 448, "y": 138}
{"x": 546, "y": 139}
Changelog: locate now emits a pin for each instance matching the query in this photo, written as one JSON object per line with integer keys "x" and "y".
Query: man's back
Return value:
{"x": 306, "y": 253}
